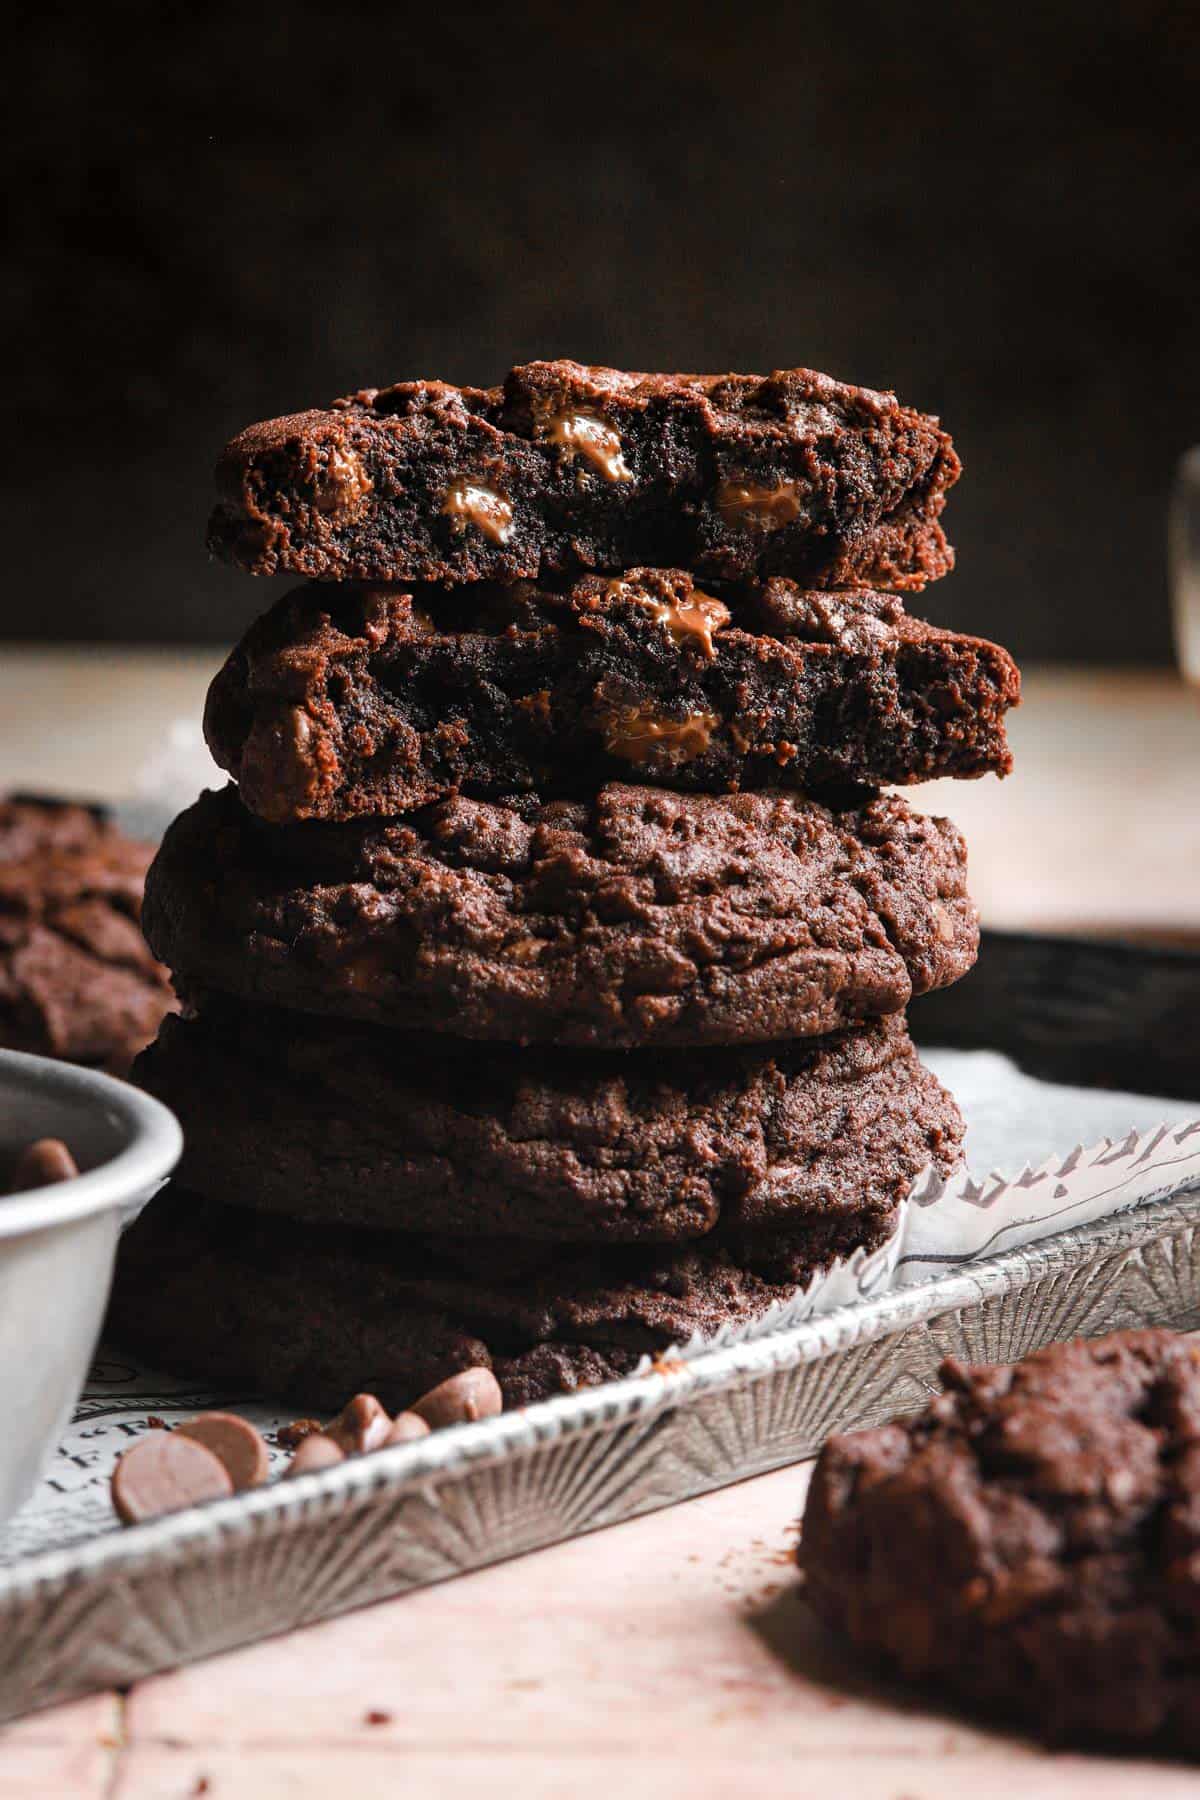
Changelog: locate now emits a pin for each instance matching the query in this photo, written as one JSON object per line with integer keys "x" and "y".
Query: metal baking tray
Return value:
{"x": 123, "y": 1605}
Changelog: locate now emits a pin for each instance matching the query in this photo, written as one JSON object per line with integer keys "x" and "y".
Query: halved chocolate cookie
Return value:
{"x": 345, "y": 701}
{"x": 567, "y": 467}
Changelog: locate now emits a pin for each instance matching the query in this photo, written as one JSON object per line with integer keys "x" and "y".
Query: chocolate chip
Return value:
{"x": 471, "y": 1394}
{"x": 41, "y": 1164}
{"x": 234, "y": 1442}
{"x": 315, "y": 1452}
{"x": 163, "y": 1472}
{"x": 406, "y": 1427}
{"x": 361, "y": 1425}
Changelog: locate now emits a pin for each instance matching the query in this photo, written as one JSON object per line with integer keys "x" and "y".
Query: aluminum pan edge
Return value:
{"x": 126, "y": 1604}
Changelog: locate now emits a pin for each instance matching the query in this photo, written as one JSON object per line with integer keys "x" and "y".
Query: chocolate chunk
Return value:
{"x": 289, "y": 1436}
{"x": 41, "y": 1164}
{"x": 568, "y": 467}
{"x": 163, "y": 1472}
{"x": 234, "y": 1442}
{"x": 644, "y": 736}
{"x": 475, "y": 505}
{"x": 751, "y": 506}
{"x": 470, "y": 1395}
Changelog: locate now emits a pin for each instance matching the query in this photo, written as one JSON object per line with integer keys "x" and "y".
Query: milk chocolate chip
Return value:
{"x": 41, "y": 1164}
{"x": 234, "y": 1442}
{"x": 361, "y": 1425}
{"x": 316, "y": 1451}
{"x": 406, "y": 1428}
{"x": 479, "y": 506}
{"x": 471, "y": 1394}
{"x": 747, "y": 504}
{"x": 163, "y": 1472}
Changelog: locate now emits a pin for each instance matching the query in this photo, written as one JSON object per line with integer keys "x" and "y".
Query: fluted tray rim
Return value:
{"x": 163, "y": 1543}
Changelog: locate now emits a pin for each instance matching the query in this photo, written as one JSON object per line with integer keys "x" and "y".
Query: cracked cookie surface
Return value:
{"x": 358, "y": 1125}
{"x": 312, "y": 1313}
{"x": 640, "y": 917}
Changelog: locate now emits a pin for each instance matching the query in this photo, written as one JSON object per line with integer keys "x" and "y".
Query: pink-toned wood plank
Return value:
{"x": 81, "y": 1721}
{"x": 68, "y": 1753}
{"x": 316, "y": 1773}
{"x": 670, "y": 1625}
{"x": 678, "y": 1638}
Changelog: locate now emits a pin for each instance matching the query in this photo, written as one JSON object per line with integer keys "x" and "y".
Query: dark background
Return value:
{"x": 229, "y": 212}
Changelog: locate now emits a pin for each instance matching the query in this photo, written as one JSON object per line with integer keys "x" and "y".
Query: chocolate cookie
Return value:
{"x": 1031, "y": 1541}
{"x": 312, "y": 1313}
{"x": 76, "y": 977}
{"x": 567, "y": 467}
{"x": 344, "y": 701}
{"x": 357, "y": 1125}
{"x": 639, "y": 917}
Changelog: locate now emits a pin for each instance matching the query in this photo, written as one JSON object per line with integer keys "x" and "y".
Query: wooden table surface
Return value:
{"x": 669, "y": 1655}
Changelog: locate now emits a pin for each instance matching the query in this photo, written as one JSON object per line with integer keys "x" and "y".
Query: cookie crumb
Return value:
{"x": 288, "y": 1436}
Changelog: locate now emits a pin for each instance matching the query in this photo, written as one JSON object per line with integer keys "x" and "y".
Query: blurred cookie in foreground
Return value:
{"x": 77, "y": 980}
{"x": 1031, "y": 1541}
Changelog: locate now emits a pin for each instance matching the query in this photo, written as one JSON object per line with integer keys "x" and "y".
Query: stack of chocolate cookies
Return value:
{"x": 545, "y": 969}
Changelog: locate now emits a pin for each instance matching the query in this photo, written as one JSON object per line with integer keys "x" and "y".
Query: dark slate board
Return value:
{"x": 1067, "y": 1009}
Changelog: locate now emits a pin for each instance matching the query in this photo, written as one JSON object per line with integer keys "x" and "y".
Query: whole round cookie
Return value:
{"x": 1031, "y": 1541}
{"x": 358, "y": 1125}
{"x": 76, "y": 977}
{"x": 312, "y": 1313}
{"x": 639, "y": 917}
{"x": 343, "y": 702}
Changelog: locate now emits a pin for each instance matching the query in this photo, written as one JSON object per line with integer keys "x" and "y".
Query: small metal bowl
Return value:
{"x": 57, "y": 1244}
